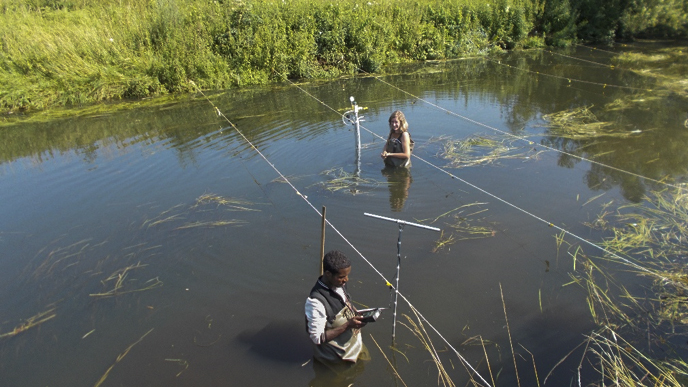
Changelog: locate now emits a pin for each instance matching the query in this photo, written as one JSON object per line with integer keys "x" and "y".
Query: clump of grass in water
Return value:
{"x": 340, "y": 180}
{"x": 657, "y": 232}
{"x": 231, "y": 203}
{"x": 668, "y": 67}
{"x": 462, "y": 223}
{"x": 481, "y": 150}
{"x": 31, "y": 322}
{"x": 180, "y": 212}
{"x": 581, "y": 123}
{"x": 635, "y": 330}
{"x": 118, "y": 279}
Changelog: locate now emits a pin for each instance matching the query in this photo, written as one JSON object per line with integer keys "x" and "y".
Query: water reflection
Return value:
{"x": 179, "y": 152}
{"x": 399, "y": 182}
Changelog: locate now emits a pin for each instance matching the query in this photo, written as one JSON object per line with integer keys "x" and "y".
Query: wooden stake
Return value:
{"x": 322, "y": 240}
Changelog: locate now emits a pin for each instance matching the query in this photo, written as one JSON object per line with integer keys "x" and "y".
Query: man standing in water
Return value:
{"x": 333, "y": 323}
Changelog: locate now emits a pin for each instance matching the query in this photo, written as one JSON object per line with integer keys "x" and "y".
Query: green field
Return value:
{"x": 67, "y": 53}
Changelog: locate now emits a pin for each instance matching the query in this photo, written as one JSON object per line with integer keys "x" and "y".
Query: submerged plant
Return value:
{"x": 340, "y": 180}
{"x": 232, "y": 204}
{"x": 31, "y": 322}
{"x": 580, "y": 124}
{"x": 481, "y": 150}
{"x": 463, "y": 224}
{"x": 120, "y": 284}
{"x": 180, "y": 212}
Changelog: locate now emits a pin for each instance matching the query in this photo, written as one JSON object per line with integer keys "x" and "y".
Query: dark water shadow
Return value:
{"x": 282, "y": 341}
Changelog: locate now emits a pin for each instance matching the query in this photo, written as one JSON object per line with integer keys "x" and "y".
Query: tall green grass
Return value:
{"x": 74, "y": 52}
{"x": 70, "y": 52}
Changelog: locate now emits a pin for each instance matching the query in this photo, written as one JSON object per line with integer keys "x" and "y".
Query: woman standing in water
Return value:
{"x": 397, "y": 151}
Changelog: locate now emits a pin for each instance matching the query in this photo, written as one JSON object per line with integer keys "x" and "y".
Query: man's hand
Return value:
{"x": 355, "y": 322}
{"x": 352, "y": 323}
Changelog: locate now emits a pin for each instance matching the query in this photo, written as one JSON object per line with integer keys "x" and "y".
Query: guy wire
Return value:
{"x": 550, "y": 224}
{"x": 305, "y": 198}
{"x": 604, "y": 85}
{"x": 580, "y": 59}
{"x": 600, "y": 49}
{"x": 528, "y": 141}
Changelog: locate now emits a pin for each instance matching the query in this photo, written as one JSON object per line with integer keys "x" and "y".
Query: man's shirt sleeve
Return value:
{"x": 317, "y": 320}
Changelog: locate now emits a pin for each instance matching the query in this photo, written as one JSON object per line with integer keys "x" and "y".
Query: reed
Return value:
{"x": 394, "y": 370}
{"x": 31, "y": 322}
{"x": 232, "y": 204}
{"x": 508, "y": 330}
{"x": 181, "y": 212}
{"x": 635, "y": 343}
{"x": 181, "y": 362}
{"x": 119, "y": 358}
{"x": 61, "y": 257}
{"x": 216, "y": 223}
{"x": 463, "y": 224}
{"x": 444, "y": 241}
{"x": 121, "y": 286}
{"x": 418, "y": 330}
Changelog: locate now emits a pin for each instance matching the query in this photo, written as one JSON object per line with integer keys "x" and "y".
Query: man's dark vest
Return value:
{"x": 347, "y": 346}
{"x": 332, "y": 301}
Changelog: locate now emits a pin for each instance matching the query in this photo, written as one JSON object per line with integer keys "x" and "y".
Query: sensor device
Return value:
{"x": 370, "y": 315}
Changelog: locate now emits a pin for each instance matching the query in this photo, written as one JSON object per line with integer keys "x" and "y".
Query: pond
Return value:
{"x": 155, "y": 246}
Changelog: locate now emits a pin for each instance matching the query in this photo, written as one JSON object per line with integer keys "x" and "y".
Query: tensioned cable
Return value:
{"x": 580, "y": 59}
{"x": 305, "y": 198}
{"x": 604, "y": 85}
{"x": 525, "y": 139}
{"x": 550, "y": 224}
{"x": 600, "y": 49}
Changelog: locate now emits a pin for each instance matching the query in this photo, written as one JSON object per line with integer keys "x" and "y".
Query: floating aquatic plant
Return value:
{"x": 581, "y": 123}
{"x": 31, "y": 322}
{"x": 481, "y": 150}
{"x": 180, "y": 212}
{"x": 340, "y": 180}
{"x": 461, "y": 220}
{"x": 122, "y": 286}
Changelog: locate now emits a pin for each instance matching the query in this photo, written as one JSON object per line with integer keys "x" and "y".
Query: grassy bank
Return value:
{"x": 70, "y": 52}
{"x": 75, "y": 52}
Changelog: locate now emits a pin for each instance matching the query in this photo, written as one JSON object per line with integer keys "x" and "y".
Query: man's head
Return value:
{"x": 336, "y": 269}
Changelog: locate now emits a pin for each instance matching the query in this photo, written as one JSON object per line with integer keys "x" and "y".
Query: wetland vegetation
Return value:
{"x": 71, "y": 53}
{"x": 75, "y": 52}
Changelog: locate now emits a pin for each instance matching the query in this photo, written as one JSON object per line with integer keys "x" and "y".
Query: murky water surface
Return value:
{"x": 166, "y": 251}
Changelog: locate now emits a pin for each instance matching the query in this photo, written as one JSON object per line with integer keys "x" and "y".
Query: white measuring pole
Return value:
{"x": 352, "y": 117}
{"x": 401, "y": 224}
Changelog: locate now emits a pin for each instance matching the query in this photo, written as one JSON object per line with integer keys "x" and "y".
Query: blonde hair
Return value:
{"x": 403, "y": 124}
